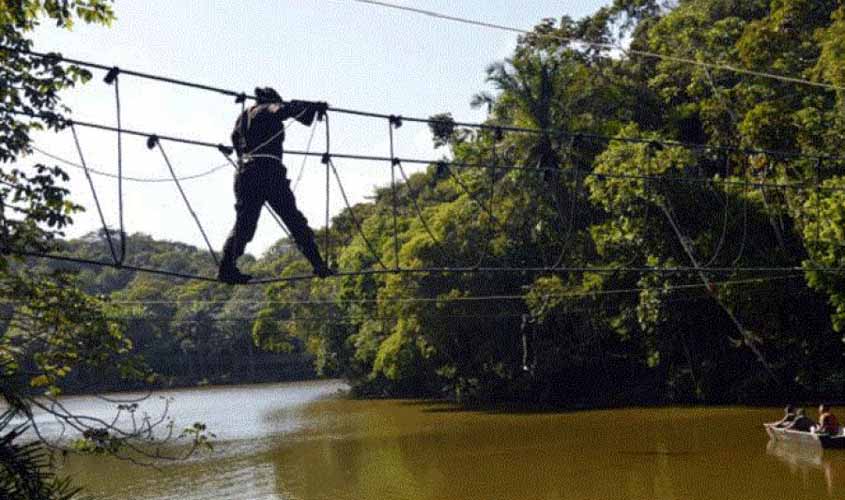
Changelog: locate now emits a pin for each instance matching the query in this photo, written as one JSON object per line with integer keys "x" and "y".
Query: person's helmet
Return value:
{"x": 267, "y": 95}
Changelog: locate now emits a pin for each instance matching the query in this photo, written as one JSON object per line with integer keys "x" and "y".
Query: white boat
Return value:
{"x": 826, "y": 441}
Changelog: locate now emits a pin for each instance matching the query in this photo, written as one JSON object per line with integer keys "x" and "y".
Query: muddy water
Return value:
{"x": 305, "y": 441}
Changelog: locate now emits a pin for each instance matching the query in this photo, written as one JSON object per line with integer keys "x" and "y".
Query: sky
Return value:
{"x": 348, "y": 54}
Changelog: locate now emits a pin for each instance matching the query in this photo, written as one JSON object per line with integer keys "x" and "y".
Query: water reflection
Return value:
{"x": 808, "y": 461}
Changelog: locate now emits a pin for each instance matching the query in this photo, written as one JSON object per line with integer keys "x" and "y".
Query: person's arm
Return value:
{"x": 302, "y": 111}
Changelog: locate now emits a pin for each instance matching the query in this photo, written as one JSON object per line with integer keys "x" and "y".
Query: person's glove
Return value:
{"x": 319, "y": 108}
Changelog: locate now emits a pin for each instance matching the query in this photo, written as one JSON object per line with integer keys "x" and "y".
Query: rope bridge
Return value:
{"x": 118, "y": 249}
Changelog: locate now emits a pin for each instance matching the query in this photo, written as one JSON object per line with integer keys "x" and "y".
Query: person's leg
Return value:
{"x": 248, "y": 209}
{"x": 283, "y": 202}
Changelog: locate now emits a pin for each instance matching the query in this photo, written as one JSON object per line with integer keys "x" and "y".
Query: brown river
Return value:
{"x": 306, "y": 441}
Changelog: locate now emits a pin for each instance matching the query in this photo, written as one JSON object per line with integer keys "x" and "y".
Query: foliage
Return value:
{"x": 576, "y": 201}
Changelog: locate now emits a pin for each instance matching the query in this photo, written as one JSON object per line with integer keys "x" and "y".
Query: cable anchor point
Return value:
{"x": 226, "y": 150}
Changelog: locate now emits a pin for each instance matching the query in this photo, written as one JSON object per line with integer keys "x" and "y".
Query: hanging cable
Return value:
{"x": 152, "y": 142}
{"x": 726, "y": 207}
{"x": 106, "y": 230}
{"x": 142, "y": 180}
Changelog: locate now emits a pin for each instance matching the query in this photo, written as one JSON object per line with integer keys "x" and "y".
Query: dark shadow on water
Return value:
{"x": 446, "y": 406}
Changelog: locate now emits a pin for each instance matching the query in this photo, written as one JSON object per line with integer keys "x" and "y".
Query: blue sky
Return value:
{"x": 348, "y": 54}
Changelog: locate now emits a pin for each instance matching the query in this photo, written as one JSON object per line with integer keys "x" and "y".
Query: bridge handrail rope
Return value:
{"x": 454, "y": 164}
{"x": 241, "y": 96}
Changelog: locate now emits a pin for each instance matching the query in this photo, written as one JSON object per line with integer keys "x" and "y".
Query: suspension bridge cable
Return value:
{"x": 478, "y": 298}
{"x": 458, "y": 164}
{"x": 437, "y": 270}
{"x": 240, "y": 96}
{"x": 605, "y": 46}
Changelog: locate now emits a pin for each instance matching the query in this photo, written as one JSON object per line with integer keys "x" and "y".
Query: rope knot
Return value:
{"x": 111, "y": 76}
{"x": 240, "y": 98}
{"x": 395, "y": 120}
{"x": 326, "y": 158}
{"x": 152, "y": 141}
{"x": 395, "y": 162}
{"x": 226, "y": 150}
{"x": 498, "y": 134}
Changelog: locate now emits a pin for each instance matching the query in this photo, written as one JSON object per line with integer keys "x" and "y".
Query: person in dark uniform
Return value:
{"x": 258, "y": 136}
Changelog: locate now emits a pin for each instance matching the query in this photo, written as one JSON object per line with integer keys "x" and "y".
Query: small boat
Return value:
{"x": 825, "y": 441}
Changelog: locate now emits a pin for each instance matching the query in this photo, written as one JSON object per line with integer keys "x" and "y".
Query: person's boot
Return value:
{"x": 229, "y": 272}
{"x": 232, "y": 275}
{"x": 313, "y": 255}
{"x": 322, "y": 270}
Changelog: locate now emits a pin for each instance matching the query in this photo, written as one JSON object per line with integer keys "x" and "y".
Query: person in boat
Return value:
{"x": 801, "y": 423}
{"x": 828, "y": 423}
{"x": 788, "y": 417}
{"x": 258, "y": 136}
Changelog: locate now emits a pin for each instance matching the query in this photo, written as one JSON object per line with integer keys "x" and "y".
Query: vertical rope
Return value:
{"x": 116, "y": 80}
{"x": 152, "y": 142}
{"x": 394, "y": 205}
{"x": 96, "y": 198}
{"x": 327, "y": 161}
